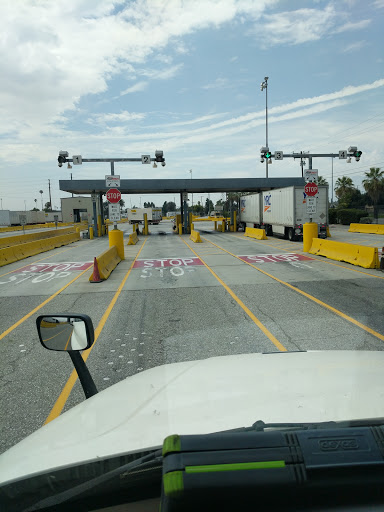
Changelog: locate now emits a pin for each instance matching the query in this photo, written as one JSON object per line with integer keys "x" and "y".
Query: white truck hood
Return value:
{"x": 198, "y": 397}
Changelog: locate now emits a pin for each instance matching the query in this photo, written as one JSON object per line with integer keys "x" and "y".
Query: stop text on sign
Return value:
{"x": 168, "y": 262}
{"x": 311, "y": 189}
{"x": 113, "y": 195}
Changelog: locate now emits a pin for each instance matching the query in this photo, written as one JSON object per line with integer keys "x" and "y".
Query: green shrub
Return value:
{"x": 365, "y": 220}
{"x": 332, "y": 213}
{"x": 345, "y": 217}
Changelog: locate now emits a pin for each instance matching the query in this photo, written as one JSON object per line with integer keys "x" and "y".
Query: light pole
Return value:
{"x": 264, "y": 85}
{"x": 332, "y": 185}
{"x": 190, "y": 170}
{"x": 41, "y": 192}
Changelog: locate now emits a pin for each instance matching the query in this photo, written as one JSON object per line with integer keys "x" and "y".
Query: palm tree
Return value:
{"x": 374, "y": 185}
{"x": 343, "y": 185}
{"x": 322, "y": 181}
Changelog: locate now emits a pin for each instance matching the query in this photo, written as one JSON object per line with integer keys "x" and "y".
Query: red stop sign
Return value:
{"x": 311, "y": 189}
{"x": 113, "y": 195}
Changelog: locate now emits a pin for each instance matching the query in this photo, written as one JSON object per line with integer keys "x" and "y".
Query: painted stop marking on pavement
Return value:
{"x": 113, "y": 195}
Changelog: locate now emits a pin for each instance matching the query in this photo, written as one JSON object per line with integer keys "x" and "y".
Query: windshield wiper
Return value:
{"x": 151, "y": 461}
{"x": 261, "y": 426}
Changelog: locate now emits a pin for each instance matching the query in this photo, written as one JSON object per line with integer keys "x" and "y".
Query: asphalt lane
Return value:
{"x": 174, "y": 308}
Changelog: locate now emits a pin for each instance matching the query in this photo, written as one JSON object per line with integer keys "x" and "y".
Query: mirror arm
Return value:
{"x": 85, "y": 377}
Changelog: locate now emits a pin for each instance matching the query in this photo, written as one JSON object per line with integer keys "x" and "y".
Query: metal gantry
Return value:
{"x": 63, "y": 158}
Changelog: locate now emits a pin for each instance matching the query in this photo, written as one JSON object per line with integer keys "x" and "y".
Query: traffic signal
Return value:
{"x": 353, "y": 151}
{"x": 159, "y": 157}
{"x": 62, "y": 158}
{"x": 357, "y": 155}
{"x": 265, "y": 153}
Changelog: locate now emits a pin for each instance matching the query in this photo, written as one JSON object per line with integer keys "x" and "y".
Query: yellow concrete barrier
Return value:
{"x": 21, "y": 251}
{"x": 133, "y": 239}
{"x": 259, "y": 234}
{"x": 31, "y": 237}
{"x": 195, "y": 236}
{"x": 374, "y": 229}
{"x": 116, "y": 239}
{"x": 107, "y": 261}
{"x": 360, "y": 255}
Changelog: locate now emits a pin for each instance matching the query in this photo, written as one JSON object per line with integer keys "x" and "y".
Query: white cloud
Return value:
{"x": 379, "y": 4}
{"x": 296, "y": 27}
{"x": 164, "y": 74}
{"x": 121, "y": 117}
{"x": 358, "y": 25}
{"x": 219, "y": 83}
{"x": 304, "y": 25}
{"x": 139, "y": 86}
{"x": 350, "y": 48}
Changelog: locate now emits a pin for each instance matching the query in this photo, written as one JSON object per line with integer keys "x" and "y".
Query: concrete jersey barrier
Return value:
{"x": 259, "y": 234}
{"x": 133, "y": 239}
{"x": 374, "y": 229}
{"x": 32, "y": 237}
{"x": 360, "y": 255}
{"x": 195, "y": 236}
{"x": 107, "y": 261}
{"x": 22, "y": 251}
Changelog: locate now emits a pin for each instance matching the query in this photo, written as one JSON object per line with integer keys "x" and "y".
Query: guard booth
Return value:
{"x": 77, "y": 209}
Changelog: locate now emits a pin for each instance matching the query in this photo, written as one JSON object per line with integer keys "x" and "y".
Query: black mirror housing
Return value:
{"x": 66, "y": 332}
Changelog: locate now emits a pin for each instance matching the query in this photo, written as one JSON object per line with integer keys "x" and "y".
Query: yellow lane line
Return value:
{"x": 316, "y": 258}
{"x": 69, "y": 339}
{"x": 28, "y": 315}
{"x": 63, "y": 397}
{"x": 269, "y": 335}
{"x": 41, "y": 259}
{"x": 311, "y": 297}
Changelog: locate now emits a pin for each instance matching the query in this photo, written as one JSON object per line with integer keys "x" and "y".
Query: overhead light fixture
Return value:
{"x": 349, "y": 160}
{"x": 154, "y": 165}
{"x": 69, "y": 166}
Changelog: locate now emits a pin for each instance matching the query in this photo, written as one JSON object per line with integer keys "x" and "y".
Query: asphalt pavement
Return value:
{"x": 173, "y": 300}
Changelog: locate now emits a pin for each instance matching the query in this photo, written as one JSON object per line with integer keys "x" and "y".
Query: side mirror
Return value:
{"x": 65, "y": 332}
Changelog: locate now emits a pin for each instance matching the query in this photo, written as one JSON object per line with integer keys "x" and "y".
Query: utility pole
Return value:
{"x": 264, "y": 85}
{"x": 50, "y": 199}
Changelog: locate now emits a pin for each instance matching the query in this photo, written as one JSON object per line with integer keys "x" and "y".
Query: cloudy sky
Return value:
{"x": 105, "y": 78}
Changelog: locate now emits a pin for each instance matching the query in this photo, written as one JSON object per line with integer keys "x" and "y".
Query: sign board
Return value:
{"x": 22, "y": 219}
{"x": 113, "y": 195}
{"x": 112, "y": 181}
{"x": 77, "y": 159}
{"x": 311, "y": 189}
{"x": 219, "y": 207}
{"x": 185, "y": 196}
{"x": 343, "y": 154}
{"x": 278, "y": 155}
{"x": 94, "y": 198}
{"x": 311, "y": 205}
{"x": 145, "y": 159}
{"x": 114, "y": 212}
{"x": 311, "y": 175}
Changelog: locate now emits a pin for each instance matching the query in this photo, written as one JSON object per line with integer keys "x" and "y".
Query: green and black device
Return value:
{"x": 291, "y": 469}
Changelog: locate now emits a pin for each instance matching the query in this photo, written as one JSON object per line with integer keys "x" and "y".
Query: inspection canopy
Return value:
{"x": 160, "y": 186}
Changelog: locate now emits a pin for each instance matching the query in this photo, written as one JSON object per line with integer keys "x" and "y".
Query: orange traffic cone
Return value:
{"x": 96, "y": 275}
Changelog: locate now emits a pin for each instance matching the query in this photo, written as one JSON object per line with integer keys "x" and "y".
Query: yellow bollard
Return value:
{"x": 99, "y": 225}
{"x": 223, "y": 226}
{"x": 180, "y": 229}
{"x": 192, "y": 226}
{"x": 145, "y": 230}
{"x": 90, "y": 232}
{"x": 116, "y": 238}
{"x": 78, "y": 230}
{"x": 235, "y": 221}
{"x": 215, "y": 225}
{"x": 310, "y": 231}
